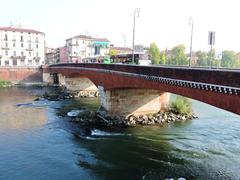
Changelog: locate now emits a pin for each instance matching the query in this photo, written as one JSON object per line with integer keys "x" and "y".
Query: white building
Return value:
{"x": 83, "y": 47}
{"x": 21, "y": 47}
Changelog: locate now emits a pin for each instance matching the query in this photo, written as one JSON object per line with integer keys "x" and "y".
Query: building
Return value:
{"x": 84, "y": 47}
{"x": 56, "y": 55}
{"x": 120, "y": 50}
{"x": 124, "y": 54}
{"x": 52, "y": 55}
{"x": 63, "y": 55}
{"x": 21, "y": 47}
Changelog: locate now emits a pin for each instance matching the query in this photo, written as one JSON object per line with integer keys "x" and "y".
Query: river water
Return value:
{"x": 37, "y": 141}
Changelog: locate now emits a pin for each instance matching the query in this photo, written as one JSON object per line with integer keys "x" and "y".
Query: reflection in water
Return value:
{"x": 39, "y": 142}
{"x": 19, "y": 117}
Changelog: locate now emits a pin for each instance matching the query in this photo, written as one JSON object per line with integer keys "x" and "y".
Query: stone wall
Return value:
{"x": 21, "y": 74}
{"x": 124, "y": 102}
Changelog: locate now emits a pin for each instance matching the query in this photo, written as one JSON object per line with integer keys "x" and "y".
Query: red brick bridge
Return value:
{"x": 126, "y": 88}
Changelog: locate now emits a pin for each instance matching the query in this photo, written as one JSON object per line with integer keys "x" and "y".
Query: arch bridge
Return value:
{"x": 133, "y": 89}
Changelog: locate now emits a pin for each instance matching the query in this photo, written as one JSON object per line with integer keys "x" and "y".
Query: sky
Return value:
{"x": 165, "y": 22}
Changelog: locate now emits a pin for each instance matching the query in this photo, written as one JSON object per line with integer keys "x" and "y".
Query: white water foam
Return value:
{"x": 96, "y": 132}
{"x": 74, "y": 113}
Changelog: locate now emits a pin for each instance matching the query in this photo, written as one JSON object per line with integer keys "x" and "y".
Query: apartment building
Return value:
{"x": 21, "y": 47}
{"x": 86, "y": 47}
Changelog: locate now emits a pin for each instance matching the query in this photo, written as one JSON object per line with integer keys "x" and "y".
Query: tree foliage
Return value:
{"x": 154, "y": 53}
{"x": 202, "y": 58}
{"x": 178, "y": 56}
{"x": 229, "y": 59}
{"x": 162, "y": 57}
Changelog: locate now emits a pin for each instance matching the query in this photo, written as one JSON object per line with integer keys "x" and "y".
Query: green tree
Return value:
{"x": 229, "y": 59}
{"x": 162, "y": 57}
{"x": 212, "y": 61}
{"x": 178, "y": 56}
{"x": 154, "y": 53}
{"x": 202, "y": 58}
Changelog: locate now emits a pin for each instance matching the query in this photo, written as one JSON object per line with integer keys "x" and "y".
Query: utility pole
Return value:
{"x": 124, "y": 40}
{"x": 191, "y": 23}
{"x": 136, "y": 11}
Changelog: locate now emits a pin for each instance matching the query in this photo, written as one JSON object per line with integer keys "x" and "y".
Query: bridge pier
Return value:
{"x": 126, "y": 102}
{"x": 82, "y": 86}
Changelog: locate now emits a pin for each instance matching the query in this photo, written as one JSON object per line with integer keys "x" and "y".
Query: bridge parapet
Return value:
{"x": 224, "y": 77}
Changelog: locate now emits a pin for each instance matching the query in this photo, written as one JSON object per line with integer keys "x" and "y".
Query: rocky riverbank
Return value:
{"x": 86, "y": 117}
{"x": 61, "y": 93}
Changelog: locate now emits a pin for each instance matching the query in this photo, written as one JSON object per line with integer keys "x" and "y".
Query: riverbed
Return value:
{"x": 38, "y": 141}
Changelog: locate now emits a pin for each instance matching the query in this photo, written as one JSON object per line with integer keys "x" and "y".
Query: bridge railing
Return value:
{"x": 224, "y": 77}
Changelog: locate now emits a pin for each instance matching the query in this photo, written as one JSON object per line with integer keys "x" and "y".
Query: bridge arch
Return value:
{"x": 221, "y": 96}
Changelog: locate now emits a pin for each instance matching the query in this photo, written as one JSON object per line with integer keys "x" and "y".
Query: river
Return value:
{"x": 38, "y": 142}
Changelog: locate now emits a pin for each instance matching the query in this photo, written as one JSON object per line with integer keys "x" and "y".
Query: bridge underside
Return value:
{"x": 114, "y": 81}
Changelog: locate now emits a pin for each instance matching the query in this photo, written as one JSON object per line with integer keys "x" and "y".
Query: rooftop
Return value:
{"x": 89, "y": 38}
{"x": 121, "y": 48}
{"x": 19, "y": 30}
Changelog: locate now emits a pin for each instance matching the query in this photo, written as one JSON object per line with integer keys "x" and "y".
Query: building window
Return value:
{"x": 29, "y": 46}
{"x": 6, "y": 45}
{"x": 29, "y": 62}
{"x": 83, "y": 42}
{"x": 14, "y": 62}
{"x": 36, "y": 39}
{"x": 22, "y": 45}
{"x": 36, "y": 45}
{"x": 37, "y": 54}
{"x": 14, "y": 53}
{"x": 7, "y": 63}
{"x": 6, "y": 37}
{"x": 30, "y": 54}
{"x": 14, "y": 44}
{"x": 21, "y": 38}
{"x": 6, "y": 53}
{"x": 22, "y": 53}
{"x": 29, "y": 38}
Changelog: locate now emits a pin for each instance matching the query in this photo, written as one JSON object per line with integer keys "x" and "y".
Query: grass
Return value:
{"x": 181, "y": 105}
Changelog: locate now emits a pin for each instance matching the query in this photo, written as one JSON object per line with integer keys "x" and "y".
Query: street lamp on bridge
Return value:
{"x": 136, "y": 12}
{"x": 191, "y": 24}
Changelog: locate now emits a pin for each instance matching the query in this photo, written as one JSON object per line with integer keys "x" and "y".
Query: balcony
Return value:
{"x": 22, "y": 58}
{"x": 36, "y": 58}
{"x": 5, "y": 48}
{"x": 29, "y": 49}
{"x": 74, "y": 44}
{"x": 14, "y": 57}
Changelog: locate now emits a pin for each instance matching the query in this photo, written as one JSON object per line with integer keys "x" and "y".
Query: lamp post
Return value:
{"x": 136, "y": 11}
{"x": 191, "y": 24}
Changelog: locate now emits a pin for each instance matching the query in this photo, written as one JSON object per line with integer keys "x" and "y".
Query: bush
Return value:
{"x": 181, "y": 105}
{"x": 4, "y": 83}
